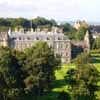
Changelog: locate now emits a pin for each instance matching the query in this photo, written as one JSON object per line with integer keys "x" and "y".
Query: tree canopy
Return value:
{"x": 26, "y": 23}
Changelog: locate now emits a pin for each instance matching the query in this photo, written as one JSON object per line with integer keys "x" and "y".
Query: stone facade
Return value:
{"x": 80, "y": 46}
{"x": 19, "y": 41}
{"x": 87, "y": 42}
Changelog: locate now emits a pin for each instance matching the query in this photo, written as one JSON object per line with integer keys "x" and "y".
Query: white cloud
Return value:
{"x": 58, "y": 9}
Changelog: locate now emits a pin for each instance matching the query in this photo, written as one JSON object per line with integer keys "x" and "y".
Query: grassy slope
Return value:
{"x": 96, "y": 62}
{"x": 60, "y": 74}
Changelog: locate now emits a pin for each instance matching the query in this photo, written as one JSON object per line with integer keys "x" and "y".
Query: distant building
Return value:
{"x": 61, "y": 45}
{"x": 95, "y": 30}
{"x": 77, "y": 25}
{"x": 20, "y": 40}
{"x": 80, "y": 46}
{"x": 80, "y": 24}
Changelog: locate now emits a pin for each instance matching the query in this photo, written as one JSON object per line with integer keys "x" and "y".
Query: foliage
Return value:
{"x": 9, "y": 72}
{"x": 42, "y": 21}
{"x": 40, "y": 66}
{"x": 5, "y": 23}
{"x": 84, "y": 25}
{"x": 96, "y": 44}
{"x": 76, "y": 34}
{"x": 82, "y": 81}
{"x": 67, "y": 28}
{"x": 63, "y": 95}
{"x": 83, "y": 58}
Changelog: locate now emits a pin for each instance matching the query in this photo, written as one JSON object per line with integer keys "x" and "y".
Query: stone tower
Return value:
{"x": 87, "y": 42}
{"x": 4, "y": 38}
{"x": 77, "y": 25}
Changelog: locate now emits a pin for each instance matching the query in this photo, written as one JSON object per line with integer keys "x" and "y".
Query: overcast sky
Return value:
{"x": 56, "y": 9}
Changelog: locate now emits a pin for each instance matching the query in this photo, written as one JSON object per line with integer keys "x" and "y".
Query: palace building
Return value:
{"x": 57, "y": 40}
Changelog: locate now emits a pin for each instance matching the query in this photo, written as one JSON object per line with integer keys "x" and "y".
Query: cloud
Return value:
{"x": 57, "y": 9}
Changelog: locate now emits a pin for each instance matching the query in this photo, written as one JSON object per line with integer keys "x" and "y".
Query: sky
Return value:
{"x": 60, "y": 10}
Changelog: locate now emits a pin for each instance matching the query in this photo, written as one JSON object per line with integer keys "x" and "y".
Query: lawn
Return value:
{"x": 96, "y": 62}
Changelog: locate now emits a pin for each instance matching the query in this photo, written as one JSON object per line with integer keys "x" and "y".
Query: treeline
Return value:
{"x": 26, "y": 74}
{"x": 25, "y": 23}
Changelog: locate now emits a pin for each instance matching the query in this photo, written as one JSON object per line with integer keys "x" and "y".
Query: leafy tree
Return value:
{"x": 11, "y": 74}
{"x": 67, "y": 28}
{"x": 40, "y": 66}
{"x": 96, "y": 44}
{"x": 82, "y": 82}
{"x": 83, "y": 79}
{"x": 64, "y": 96}
{"x": 83, "y": 58}
{"x": 6, "y": 71}
{"x": 42, "y": 21}
{"x": 5, "y": 23}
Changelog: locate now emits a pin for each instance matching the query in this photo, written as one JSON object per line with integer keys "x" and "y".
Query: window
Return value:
{"x": 48, "y": 38}
{"x": 37, "y": 38}
{"x": 14, "y": 38}
{"x": 28, "y": 38}
{"x": 19, "y": 38}
{"x": 57, "y": 46}
{"x": 59, "y": 38}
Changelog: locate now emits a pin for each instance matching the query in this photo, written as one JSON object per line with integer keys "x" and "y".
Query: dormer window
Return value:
{"x": 48, "y": 38}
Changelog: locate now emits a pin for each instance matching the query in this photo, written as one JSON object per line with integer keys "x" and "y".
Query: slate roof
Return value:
{"x": 39, "y": 36}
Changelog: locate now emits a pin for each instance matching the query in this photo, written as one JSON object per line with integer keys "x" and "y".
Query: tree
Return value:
{"x": 83, "y": 58}
{"x": 11, "y": 74}
{"x": 40, "y": 66}
{"x": 64, "y": 96}
{"x": 96, "y": 44}
{"x": 40, "y": 21}
{"x": 67, "y": 28}
{"x": 6, "y": 71}
{"x": 82, "y": 81}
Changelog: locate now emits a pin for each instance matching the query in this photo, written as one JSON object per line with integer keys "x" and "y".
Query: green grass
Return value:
{"x": 59, "y": 85}
{"x": 96, "y": 62}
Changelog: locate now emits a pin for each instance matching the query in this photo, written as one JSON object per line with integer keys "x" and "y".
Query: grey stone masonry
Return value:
{"x": 58, "y": 41}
